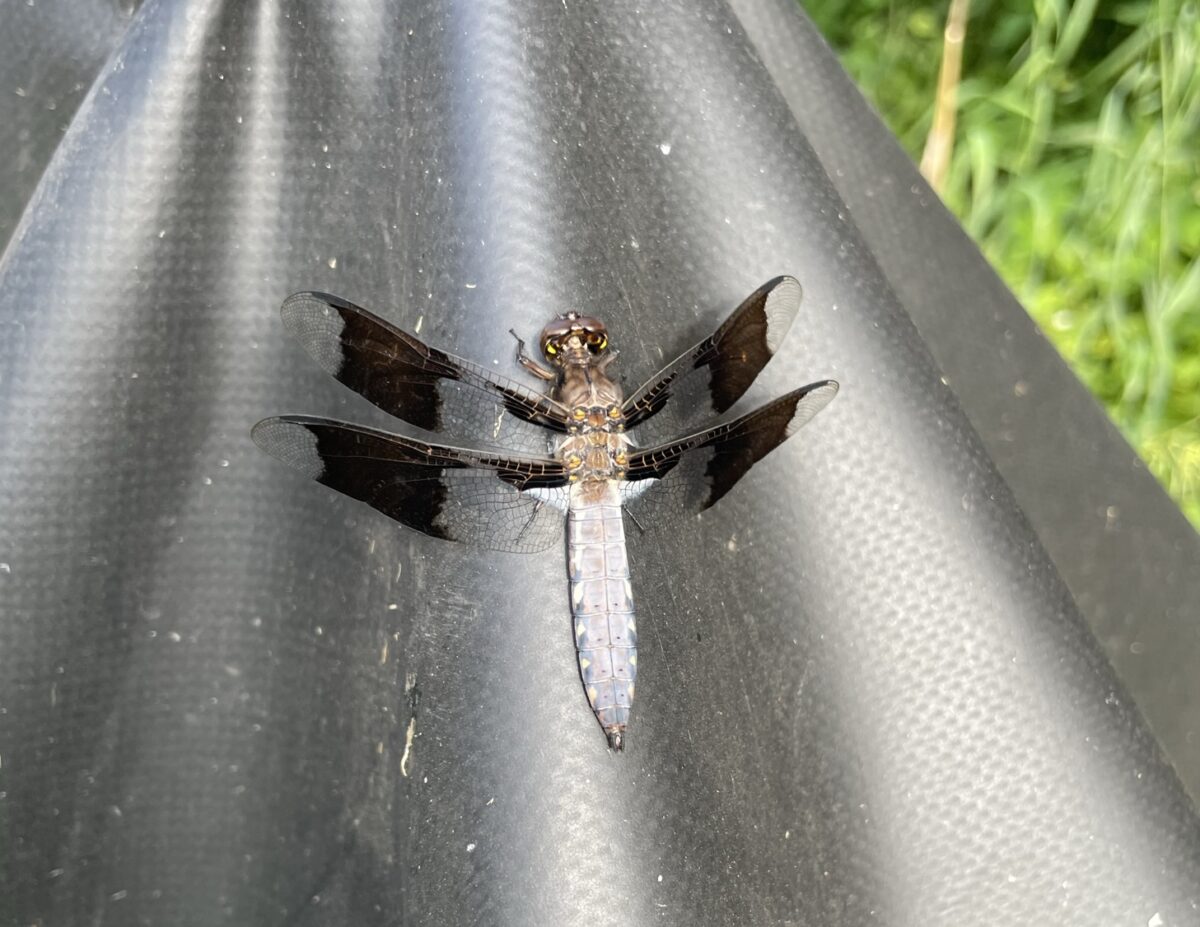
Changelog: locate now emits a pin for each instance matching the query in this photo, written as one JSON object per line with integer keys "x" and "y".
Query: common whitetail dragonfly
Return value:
{"x": 568, "y": 451}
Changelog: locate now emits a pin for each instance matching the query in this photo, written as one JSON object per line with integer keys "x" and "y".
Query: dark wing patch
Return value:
{"x": 710, "y": 377}
{"x": 414, "y": 382}
{"x": 445, "y": 492}
{"x": 696, "y": 471}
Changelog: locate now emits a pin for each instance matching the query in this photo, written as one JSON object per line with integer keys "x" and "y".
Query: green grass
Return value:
{"x": 1077, "y": 170}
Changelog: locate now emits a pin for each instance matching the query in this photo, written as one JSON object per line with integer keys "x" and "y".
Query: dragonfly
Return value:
{"x": 577, "y": 449}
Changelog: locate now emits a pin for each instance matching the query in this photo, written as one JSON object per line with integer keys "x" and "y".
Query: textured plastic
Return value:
{"x": 1125, "y": 551}
{"x": 865, "y": 692}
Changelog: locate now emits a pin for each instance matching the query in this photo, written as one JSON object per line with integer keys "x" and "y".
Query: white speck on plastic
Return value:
{"x": 660, "y": 877}
{"x": 5, "y": 568}
{"x": 222, "y": 462}
{"x": 470, "y": 848}
{"x": 332, "y": 262}
{"x": 1156, "y": 920}
{"x": 665, "y": 148}
{"x": 470, "y": 286}
{"x": 635, "y": 244}
{"x": 174, "y": 636}
{"x": 119, "y": 896}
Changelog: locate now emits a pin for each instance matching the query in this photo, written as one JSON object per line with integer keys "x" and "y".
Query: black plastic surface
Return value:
{"x": 1124, "y": 549}
{"x": 866, "y": 695}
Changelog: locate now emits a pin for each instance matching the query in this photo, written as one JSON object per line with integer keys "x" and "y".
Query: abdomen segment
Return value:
{"x": 602, "y": 605}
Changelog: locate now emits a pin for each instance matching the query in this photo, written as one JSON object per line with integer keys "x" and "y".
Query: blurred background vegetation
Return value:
{"x": 1076, "y": 167}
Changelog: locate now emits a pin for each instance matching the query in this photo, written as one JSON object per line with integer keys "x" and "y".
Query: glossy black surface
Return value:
{"x": 206, "y": 668}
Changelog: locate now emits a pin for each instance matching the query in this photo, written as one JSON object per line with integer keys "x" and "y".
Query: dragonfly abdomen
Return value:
{"x": 602, "y": 604}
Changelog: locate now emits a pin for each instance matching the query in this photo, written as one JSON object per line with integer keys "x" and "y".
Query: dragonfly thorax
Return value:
{"x": 597, "y": 418}
{"x": 595, "y": 455}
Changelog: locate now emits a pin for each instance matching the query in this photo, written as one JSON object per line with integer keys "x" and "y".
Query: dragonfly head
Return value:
{"x": 573, "y": 338}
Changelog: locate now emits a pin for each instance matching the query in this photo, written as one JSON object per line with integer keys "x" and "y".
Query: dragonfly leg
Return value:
{"x": 532, "y": 515}
{"x": 529, "y": 363}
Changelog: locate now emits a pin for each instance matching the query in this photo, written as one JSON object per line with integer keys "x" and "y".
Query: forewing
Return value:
{"x": 689, "y": 475}
{"x": 487, "y": 501}
{"x": 710, "y": 377}
{"x": 419, "y": 384}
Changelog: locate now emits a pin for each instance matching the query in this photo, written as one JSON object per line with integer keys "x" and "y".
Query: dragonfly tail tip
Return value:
{"x": 616, "y": 738}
